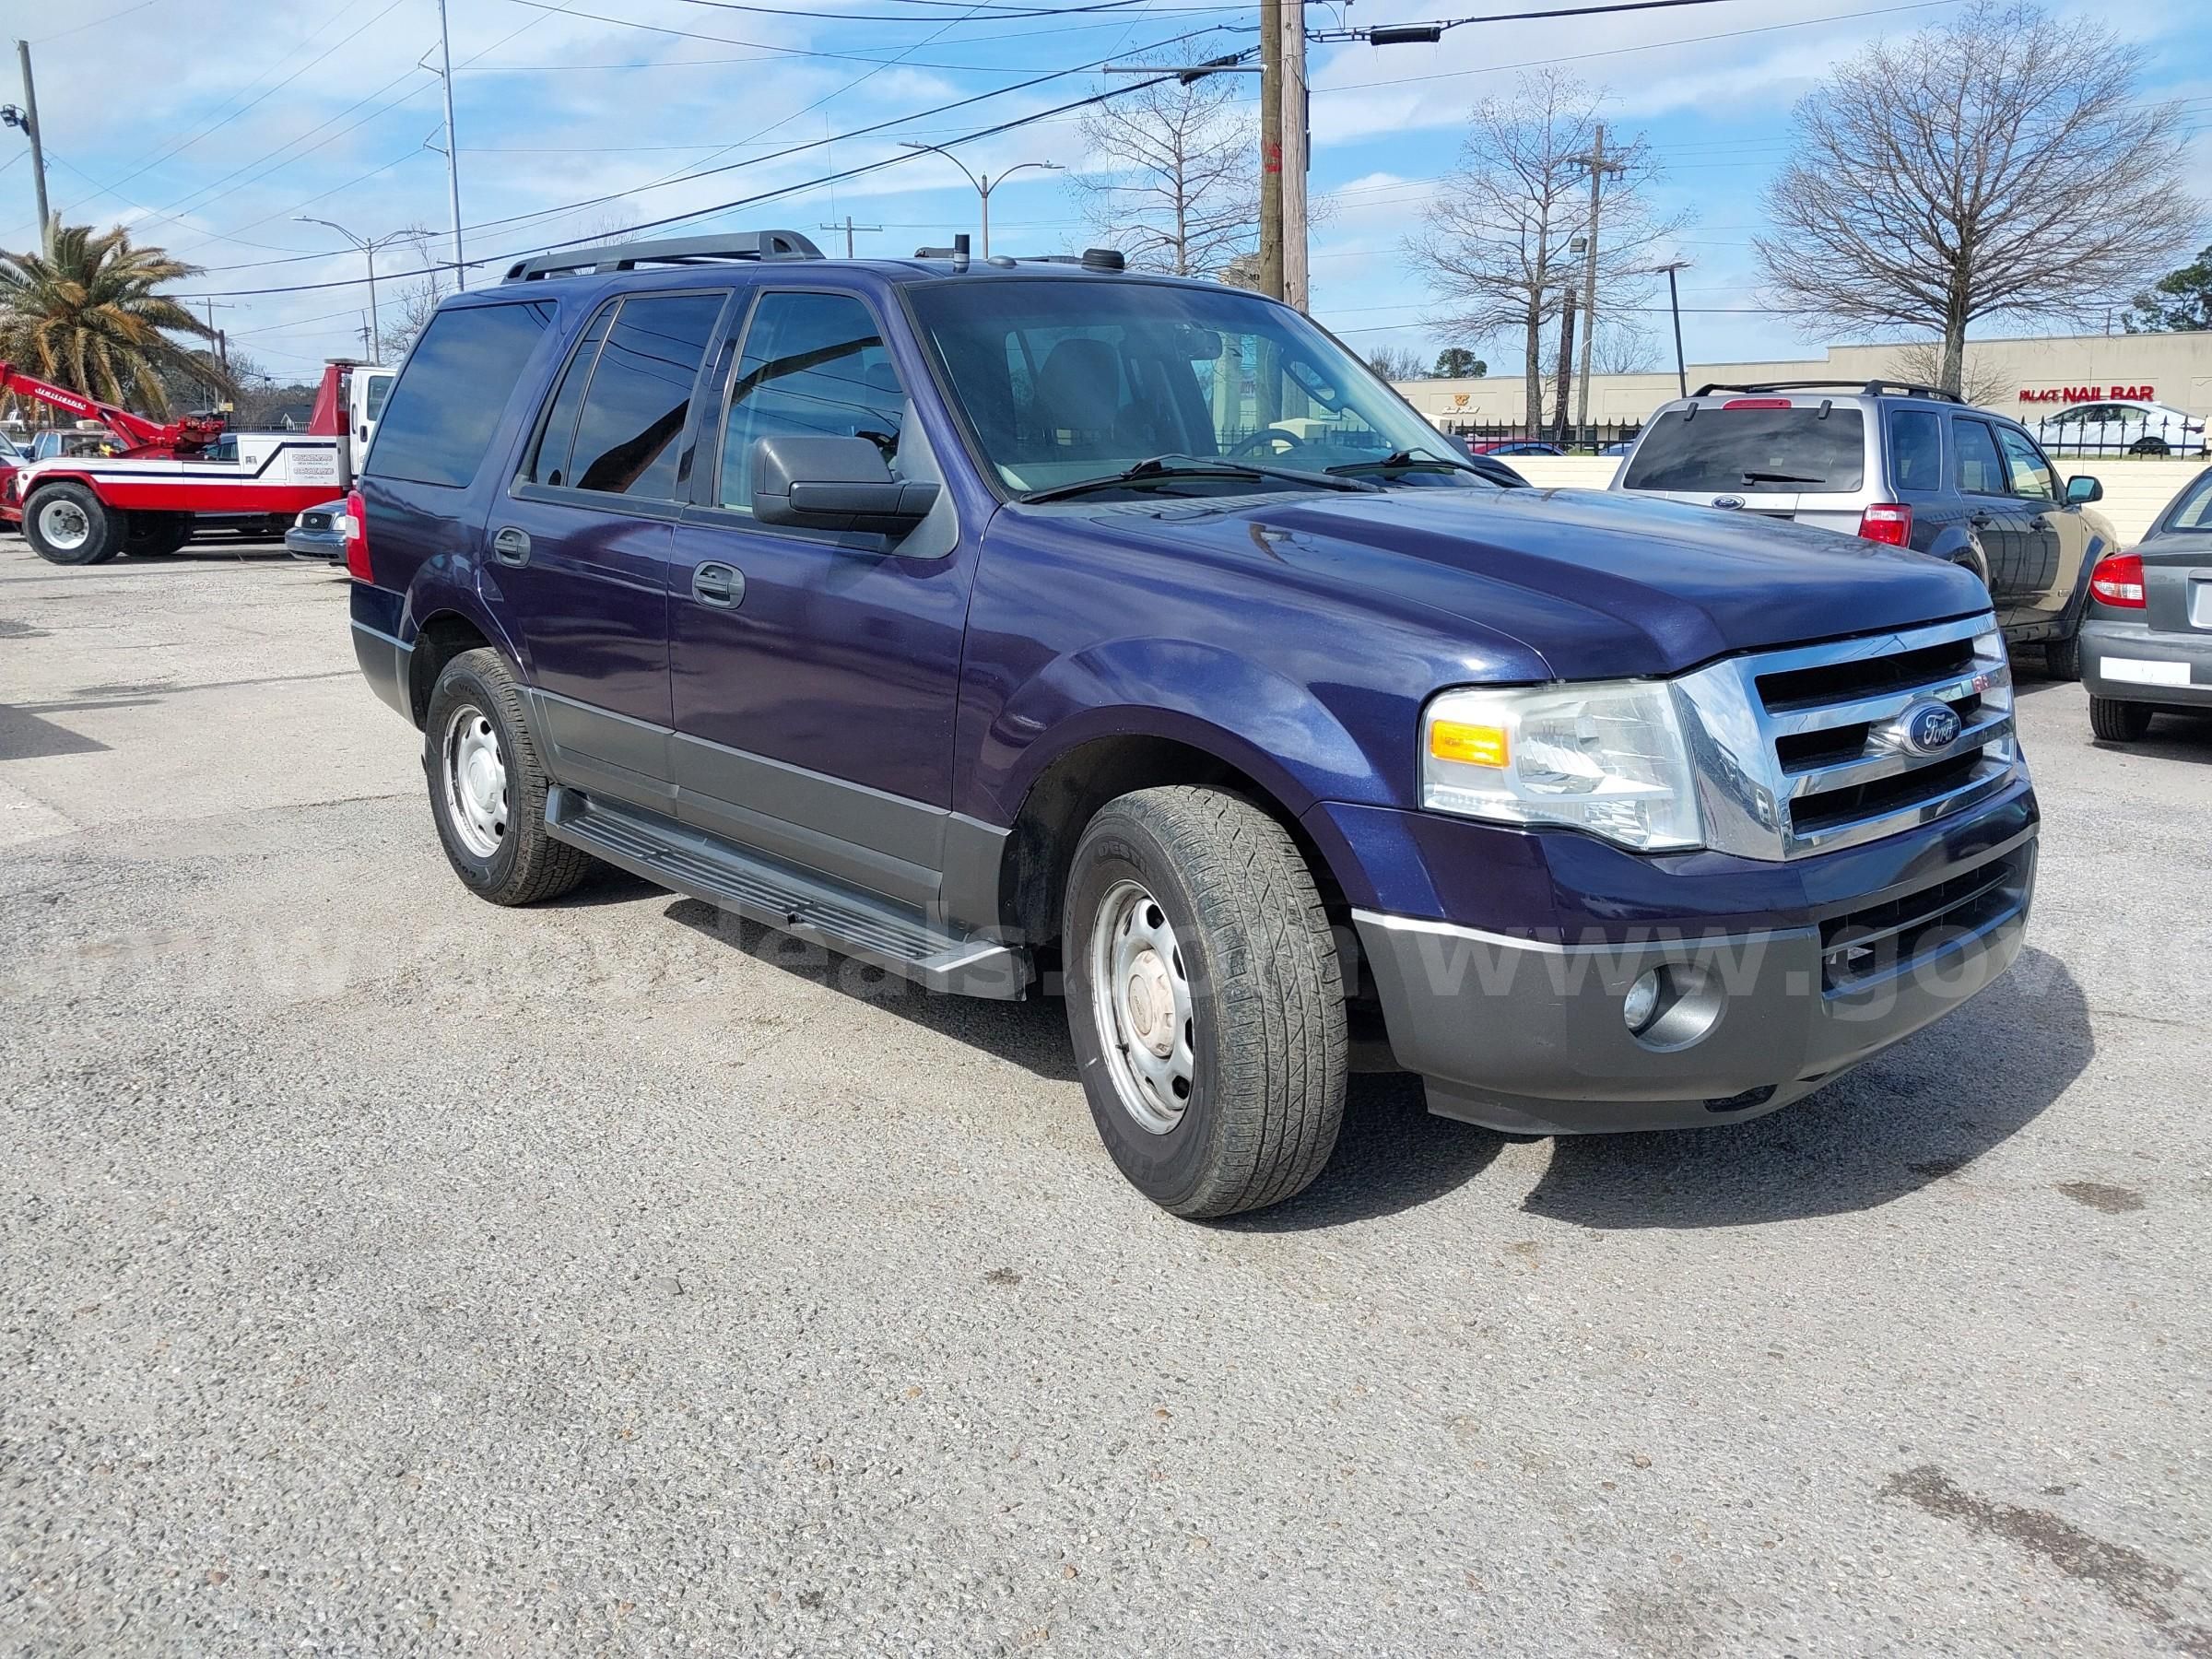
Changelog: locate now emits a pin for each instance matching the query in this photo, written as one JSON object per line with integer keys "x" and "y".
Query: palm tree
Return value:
{"x": 84, "y": 312}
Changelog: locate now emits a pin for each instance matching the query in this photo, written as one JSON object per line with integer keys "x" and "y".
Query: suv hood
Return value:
{"x": 1598, "y": 585}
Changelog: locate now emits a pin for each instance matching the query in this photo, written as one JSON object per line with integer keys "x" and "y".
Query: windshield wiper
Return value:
{"x": 1159, "y": 468}
{"x": 1404, "y": 460}
{"x": 1766, "y": 477}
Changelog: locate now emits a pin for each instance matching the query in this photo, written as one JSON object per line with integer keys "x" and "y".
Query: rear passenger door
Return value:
{"x": 579, "y": 547}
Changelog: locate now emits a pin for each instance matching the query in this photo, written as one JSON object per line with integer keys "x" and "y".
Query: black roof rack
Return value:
{"x": 679, "y": 250}
{"x": 1869, "y": 388}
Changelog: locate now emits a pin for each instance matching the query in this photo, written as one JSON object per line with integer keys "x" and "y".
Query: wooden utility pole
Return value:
{"x": 29, "y": 124}
{"x": 1599, "y": 167}
{"x": 1271, "y": 148}
{"x": 1295, "y": 150}
{"x": 847, "y": 228}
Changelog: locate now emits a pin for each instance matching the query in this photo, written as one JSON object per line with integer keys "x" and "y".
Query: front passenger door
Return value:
{"x": 2056, "y": 538}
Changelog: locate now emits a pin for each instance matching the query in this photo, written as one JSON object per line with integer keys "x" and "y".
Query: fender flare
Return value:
{"x": 1955, "y": 544}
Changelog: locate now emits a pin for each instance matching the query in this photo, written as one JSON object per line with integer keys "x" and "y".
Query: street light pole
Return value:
{"x": 28, "y": 118}
{"x": 984, "y": 183}
{"x": 367, "y": 245}
{"x": 1674, "y": 304}
{"x": 452, "y": 147}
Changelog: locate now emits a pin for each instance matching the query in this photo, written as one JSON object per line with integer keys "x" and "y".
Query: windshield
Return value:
{"x": 1068, "y": 379}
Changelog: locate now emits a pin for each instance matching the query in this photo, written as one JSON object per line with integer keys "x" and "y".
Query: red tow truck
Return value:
{"x": 147, "y": 496}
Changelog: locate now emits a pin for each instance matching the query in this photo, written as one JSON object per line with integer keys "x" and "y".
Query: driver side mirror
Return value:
{"x": 2082, "y": 490}
{"x": 833, "y": 484}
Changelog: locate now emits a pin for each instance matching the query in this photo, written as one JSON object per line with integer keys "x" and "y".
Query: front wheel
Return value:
{"x": 67, "y": 525}
{"x": 487, "y": 787}
{"x": 1204, "y": 1000}
{"x": 2118, "y": 722}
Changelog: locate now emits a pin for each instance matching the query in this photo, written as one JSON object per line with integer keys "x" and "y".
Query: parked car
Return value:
{"x": 1516, "y": 446}
{"x": 2121, "y": 426}
{"x": 920, "y": 608}
{"x": 1900, "y": 466}
{"x": 319, "y": 532}
{"x": 2146, "y": 643}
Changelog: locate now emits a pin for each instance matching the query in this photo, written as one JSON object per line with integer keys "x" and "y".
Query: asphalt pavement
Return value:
{"x": 386, "y": 1273}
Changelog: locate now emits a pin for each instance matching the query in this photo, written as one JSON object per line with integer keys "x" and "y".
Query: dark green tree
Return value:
{"x": 2178, "y": 302}
{"x": 1456, "y": 362}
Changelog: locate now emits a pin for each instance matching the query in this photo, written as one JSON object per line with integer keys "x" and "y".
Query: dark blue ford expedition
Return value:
{"x": 984, "y": 620}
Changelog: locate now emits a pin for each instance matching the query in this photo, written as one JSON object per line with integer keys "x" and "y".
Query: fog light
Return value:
{"x": 1643, "y": 1001}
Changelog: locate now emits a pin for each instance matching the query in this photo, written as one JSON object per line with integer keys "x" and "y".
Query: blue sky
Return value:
{"x": 207, "y": 124}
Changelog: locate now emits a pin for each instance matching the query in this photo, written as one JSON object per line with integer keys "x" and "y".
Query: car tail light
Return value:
{"x": 1756, "y": 403}
{"x": 1889, "y": 523}
{"x": 2118, "y": 580}
{"x": 355, "y": 531}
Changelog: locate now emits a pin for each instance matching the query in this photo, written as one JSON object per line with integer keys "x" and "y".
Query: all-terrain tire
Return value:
{"x": 66, "y": 523}
{"x": 1266, "y": 1038}
{"x": 2118, "y": 722}
{"x": 514, "y": 861}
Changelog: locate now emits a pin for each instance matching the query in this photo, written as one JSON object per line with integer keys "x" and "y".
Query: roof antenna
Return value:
{"x": 959, "y": 251}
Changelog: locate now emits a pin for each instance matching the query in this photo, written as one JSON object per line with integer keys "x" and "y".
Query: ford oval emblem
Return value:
{"x": 1730, "y": 502}
{"x": 1928, "y": 727}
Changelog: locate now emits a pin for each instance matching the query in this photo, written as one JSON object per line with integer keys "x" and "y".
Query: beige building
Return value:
{"x": 2025, "y": 378}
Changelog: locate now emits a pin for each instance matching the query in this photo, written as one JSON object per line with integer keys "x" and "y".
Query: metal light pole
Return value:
{"x": 367, "y": 245}
{"x": 984, "y": 183}
{"x": 452, "y": 147}
{"x": 1674, "y": 304}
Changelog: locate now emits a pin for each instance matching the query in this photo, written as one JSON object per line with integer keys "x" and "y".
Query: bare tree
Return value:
{"x": 407, "y": 313}
{"x": 1998, "y": 165}
{"x": 1982, "y": 380}
{"x": 1398, "y": 363}
{"x": 1622, "y": 348}
{"x": 1496, "y": 243}
{"x": 1178, "y": 185}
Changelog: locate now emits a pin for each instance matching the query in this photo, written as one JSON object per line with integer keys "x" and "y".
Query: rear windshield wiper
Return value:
{"x": 1405, "y": 460}
{"x": 1159, "y": 468}
{"x": 1766, "y": 477}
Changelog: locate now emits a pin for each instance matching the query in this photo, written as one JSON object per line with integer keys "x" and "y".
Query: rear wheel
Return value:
{"x": 67, "y": 525}
{"x": 2062, "y": 658}
{"x": 151, "y": 535}
{"x": 2118, "y": 722}
{"x": 1204, "y": 1000}
{"x": 487, "y": 787}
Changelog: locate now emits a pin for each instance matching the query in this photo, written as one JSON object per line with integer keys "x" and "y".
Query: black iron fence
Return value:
{"x": 1597, "y": 438}
{"x": 2120, "y": 429}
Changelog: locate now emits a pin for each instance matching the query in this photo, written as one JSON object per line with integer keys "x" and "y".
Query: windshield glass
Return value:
{"x": 1066, "y": 378}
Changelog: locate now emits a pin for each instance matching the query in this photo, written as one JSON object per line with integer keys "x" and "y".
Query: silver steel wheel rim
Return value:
{"x": 476, "y": 781}
{"x": 1140, "y": 994}
{"x": 65, "y": 525}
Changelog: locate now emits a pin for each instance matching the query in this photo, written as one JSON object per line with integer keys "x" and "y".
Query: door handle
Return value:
{"x": 1982, "y": 521}
{"x": 720, "y": 585}
{"x": 512, "y": 547}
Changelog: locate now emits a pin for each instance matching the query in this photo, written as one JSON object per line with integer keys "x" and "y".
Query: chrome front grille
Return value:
{"x": 1822, "y": 747}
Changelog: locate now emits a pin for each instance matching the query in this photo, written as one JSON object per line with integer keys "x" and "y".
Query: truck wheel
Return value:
{"x": 1204, "y": 1000}
{"x": 2118, "y": 722}
{"x": 488, "y": 788}
{"x": 2062, "y": 658}
{"x": 67, "y": 525}
{"x": 152, "y": 534}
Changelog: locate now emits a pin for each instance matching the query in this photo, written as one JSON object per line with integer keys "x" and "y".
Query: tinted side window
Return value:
{"x": 550, "y": 466}
{"x": 814, "y": 363}
{"x": 1979, "y": 471}
{"x": 2194, "y": 513}
{"x": 1917, "y": 448}
{"x": 2029, "y": 473}
{"x": 639, "y": 394}
{"x": 448, "y": 399}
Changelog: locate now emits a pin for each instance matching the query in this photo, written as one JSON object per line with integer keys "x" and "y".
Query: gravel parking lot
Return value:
{"x": 388, "y": 1273}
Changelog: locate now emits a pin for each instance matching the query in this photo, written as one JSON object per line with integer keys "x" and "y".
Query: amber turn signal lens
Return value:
{"x": 1469, "y": 745}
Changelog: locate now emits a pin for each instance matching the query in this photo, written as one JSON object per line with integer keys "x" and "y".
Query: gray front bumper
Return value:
{"x": 1529, "y": 1037}
{"x": 2142, "y": 654}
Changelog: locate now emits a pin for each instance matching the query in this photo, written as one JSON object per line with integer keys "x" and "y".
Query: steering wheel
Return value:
{"x": 1280, "y": 442}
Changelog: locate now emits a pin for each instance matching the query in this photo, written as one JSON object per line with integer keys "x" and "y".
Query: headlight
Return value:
{"x": 1607, "y": 758}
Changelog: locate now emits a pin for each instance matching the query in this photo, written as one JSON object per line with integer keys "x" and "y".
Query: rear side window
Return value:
{"x": 448, "y": 400}
{"x": 1916, "y": 449}
{"x": 1979, "y": 471}
{"x": 1752, "y": 452}
{"x": 557, "y": 437}
{"x": 639, "y": 395}
{"x": 2194, "y": 511}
